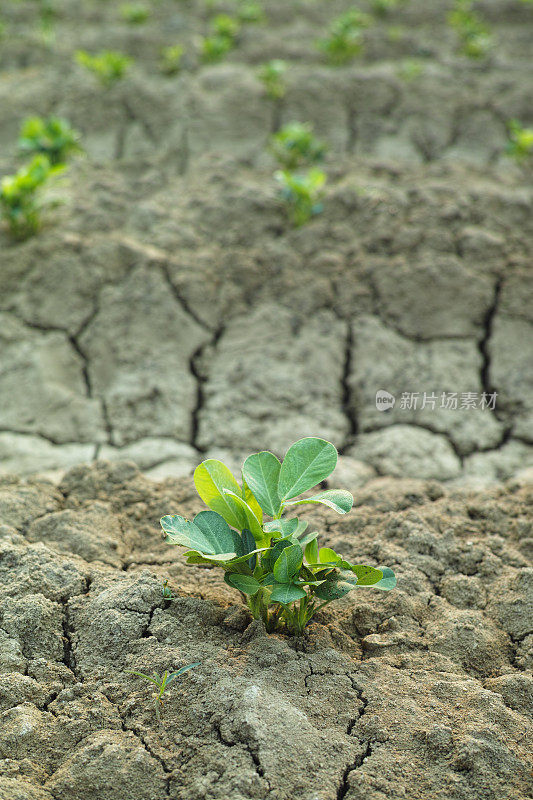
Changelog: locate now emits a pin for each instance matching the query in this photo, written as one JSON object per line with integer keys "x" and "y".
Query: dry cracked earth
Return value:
{"x": 167, "y": 310}
{"x": 425, "y": 691}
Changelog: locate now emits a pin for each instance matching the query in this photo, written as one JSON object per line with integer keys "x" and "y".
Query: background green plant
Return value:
{"x": 108, "y": 66}
{"x": 475, "y": 37}
{"x": 295, "y": 145}
{"x": 162, "y": 683}
{"x": 345, "y": 37}
{"x": 302, "y": 194}
{"x": 272, "y": 76}
{"x": 281, "y": 573}
{"x": 21, "y": 196}
{"x": 520, "y": 144}
{"x": 52, "y": 136}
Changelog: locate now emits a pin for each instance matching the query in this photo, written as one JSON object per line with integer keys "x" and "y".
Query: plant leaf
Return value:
{"x": 311, "y": 551}
{"x": 244, "y": 583}
{"x": 366, "y": 576}
{"x": 307, "y": 462}
{"x": 328, "y": 556}
{"x": 288, "y": 563}
{"x": 252, "y": 502}
{"x": 287, "y": 527}
{"x": 146, "y": 677}
{"x": 211, "y": 477}
{"x": 181, "y": 670}
{"x": 261, "y": 473}
{"x": 248, "y": 542}
{"x": 273, "y": 553}
{"x": 252, "y": 523}
{"x": 388, "y": 580}
{"x": 211, "y": 535}
{"x": 339, "y": 500}
{"x": 336, "y": 587}
{"x": 285, "y": 593}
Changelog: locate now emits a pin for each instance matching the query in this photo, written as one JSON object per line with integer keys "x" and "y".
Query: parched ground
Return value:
{"x": 166, "y": 311}
{"x": 425, "y": 691}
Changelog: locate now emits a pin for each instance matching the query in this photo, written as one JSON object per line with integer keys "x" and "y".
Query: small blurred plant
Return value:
{"x": 162, "y": 682}
{"x": 166, "y": 591}
{"x": 108, "y": 66}
{"x": 295, "y": 145}
{"x": 383, "y": 7}
{"x": 345, "y": 37}
{"x": 134, "y": 13}
{"x": 410, "y": 69}
{"x": 224, "y": 31}
{"x": 171, "y": 58}
{"x": 251, "y": 11}
{"x": 51, "y": 136}
{"x": 21, "y": 196}
{"x": 475, "y": 37}
{"x": 302, "y": 194}
{"x": 520, "y": 144}
{"x": 271, "y": 76}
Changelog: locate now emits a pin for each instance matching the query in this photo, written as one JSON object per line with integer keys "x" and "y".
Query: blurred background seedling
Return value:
{"x": 295, "y": 145}
{"x": 171, "y": 59}
{"x": 166, "y": 591}
{"x": 345, "y": 37}
{"x": 410, "y": 69}
{"x": 23, "y": 199}
{"x": 251, "y": 11}
{"x": 108, "y": 66}
{"x": 475, "y": 37}
{"x": 52, "y": 136}
{"x": 520, "y": 143}
{"x": 134, "y": 13}
{"x": 302, "y": 194}
{"x": 224, "y": 31}
{"x": 272, "y": 76}
{"x": 162, "y": 683}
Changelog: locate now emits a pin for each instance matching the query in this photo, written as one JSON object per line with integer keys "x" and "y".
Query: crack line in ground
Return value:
{"x": 197, "y": 373}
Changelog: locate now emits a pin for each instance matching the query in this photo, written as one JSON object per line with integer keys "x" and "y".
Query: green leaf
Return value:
{"x": 208, "y": 534}
{"x": 244, "y": 583}
{"x": 272, "y": 554}
{"x": 367, "y": 576}
{"x": 248, "y": 542}
{"x": 311, "y": 552}
{"x": 336, "y": 587}
{"x": 337, "y": 499}
{"x": 181, "y": 670}
{"x": 328, "y": 556}
{"x": 388, "y": 580}
{"x": 288, "y": 563}
{"x": 309, "y": 537}
{"x": 261, "y": 472}
{"x": 223, "y": 560}
{"x": 285, "y": 593}
{"x": 308, "y": 462}
{"x": 252, "y": 502}
{"x": 146, "y": 677}
{"x": 211, "y": 477}
{"x": 252, "y": 523}
{"x": 287, "y": 527}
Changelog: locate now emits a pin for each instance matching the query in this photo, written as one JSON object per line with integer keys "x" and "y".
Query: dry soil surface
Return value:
{"x": 422, "y": 692}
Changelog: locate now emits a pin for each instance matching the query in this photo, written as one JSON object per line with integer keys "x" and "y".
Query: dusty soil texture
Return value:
{"x": 425, "y": 691}
{"x": 167, "y": 311}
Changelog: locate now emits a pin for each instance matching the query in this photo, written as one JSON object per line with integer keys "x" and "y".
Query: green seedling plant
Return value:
{"x": 171, "y": 59}
{"x": 134, "y": 13}
{"x": 345, "y": 37}
{"x": 475, "y": 37}
{"x": 272, "y": 76}
{"x": 295, "y": 145}
{"x": 52, "y": 136}
{"x": 302, "y": 194}
{"x": 162, "y": 682}
{"x": 520, "y": 144}
{"x": 266, "y": 554}
{"x": 224, "y": 31}
{"x": 251, "y": 11}
{"x": 410, "y": 69}
{"x": 166, "y": 591}
{"x": 22, "y": 198}
{"x": 381, "y": 8}
{"x": 108, "y": 66}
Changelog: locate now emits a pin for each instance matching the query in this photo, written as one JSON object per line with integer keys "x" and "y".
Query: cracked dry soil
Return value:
{"x": 423, "y": 692}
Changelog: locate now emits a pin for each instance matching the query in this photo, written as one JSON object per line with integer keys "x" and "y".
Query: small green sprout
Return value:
{"x": 410, "y": 69}
{"x": 520, "y": 144}
{"x": 276, "y": 565}
{"x": 162, "y": 682}
{"x": 52, "y": 136}
{"x": 475, "y": 37}
{"x": 295, "y": 145}
{"x": 271, "y": 76}
{"x": 166, "y": 591}
{"x": 224, "y": 32}
{"x": 171, "y": 58}
{"x": 251, "y": 11}
{"x": 21, "y": 196}
{"x": 302, "y": 194}
{"x": 134, "y": 13}
{"x": 345, "y": 37}
{"x": 108, "y": 66}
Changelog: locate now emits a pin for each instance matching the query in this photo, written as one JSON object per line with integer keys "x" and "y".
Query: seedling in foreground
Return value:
{"x": 162, "y": 682}
{"x": 21, "y": 196}
{"x": 282, "y": 574}
{"x": 302, "y": 194}
{"x": 520, "y": 144}
{"x": 108, "y": 66}
{"x": 345, "y": 38}
{"x": 295, "y": 146}
{"x": 271, "y": 76}
{"x": 475, "y": 37}
{"x": 51, "y": 136}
